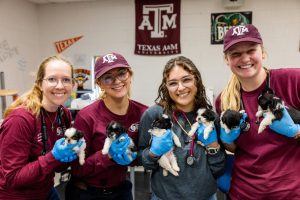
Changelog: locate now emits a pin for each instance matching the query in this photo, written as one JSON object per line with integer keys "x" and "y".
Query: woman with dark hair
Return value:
{"x": 180, "y": 94}
{"x": 31, "y": 136}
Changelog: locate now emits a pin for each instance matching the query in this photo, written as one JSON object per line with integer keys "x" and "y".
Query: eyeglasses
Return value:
{"x": 186, "y": 81}
{"x": 52, "y": 81}
{"x": 109, "y": 78}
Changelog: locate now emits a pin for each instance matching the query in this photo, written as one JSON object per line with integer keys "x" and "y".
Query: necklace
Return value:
{"x": 176, "y": 120}
{"x": 52, "y": 122}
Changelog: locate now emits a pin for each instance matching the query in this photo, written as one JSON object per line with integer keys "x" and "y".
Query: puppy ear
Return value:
{"x": 80, "y": 133}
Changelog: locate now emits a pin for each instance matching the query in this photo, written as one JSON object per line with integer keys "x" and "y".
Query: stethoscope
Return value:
{"x": 61, "y": 120}
{"x": 190, "y": 160}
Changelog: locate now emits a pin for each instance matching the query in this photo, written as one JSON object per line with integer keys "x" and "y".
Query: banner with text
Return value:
{"x": 221, "y": 22}
{"x": 64, "y": 44}
{"x": 157, "y": 27}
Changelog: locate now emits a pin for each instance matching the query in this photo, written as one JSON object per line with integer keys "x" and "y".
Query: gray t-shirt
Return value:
{"x": 194, "y": 182}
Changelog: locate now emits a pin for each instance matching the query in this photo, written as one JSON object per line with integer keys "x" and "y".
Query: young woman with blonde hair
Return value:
{"x": 264, "y": 166}
{"x": 31, "y": 136}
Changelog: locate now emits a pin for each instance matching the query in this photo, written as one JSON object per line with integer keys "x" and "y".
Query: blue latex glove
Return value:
{"x": 62, "y": 152}
{"x": 124, "y": 159}
{"x": 163, "y": 144}
{"x": 118, "y": 149}
{"x": 285, "y": 126}
{"x": 234, "y": 133}
{"x": 212, "y": 137}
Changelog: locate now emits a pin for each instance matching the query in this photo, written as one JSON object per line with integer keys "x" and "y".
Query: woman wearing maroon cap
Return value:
{"x": 32, "y": 146}
{"x": 104, "y": 176}
{"x": 266, "y": 164}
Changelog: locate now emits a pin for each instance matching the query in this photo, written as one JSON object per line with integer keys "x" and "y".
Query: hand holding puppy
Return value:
{"x": 285, "y": 126}
{"x": 212, "y": 136}
{"x": 62, "y": 152}
{"x": 163, "y": 144}
{"x": 118, "y": 150}
{"x": 230, "y": 137}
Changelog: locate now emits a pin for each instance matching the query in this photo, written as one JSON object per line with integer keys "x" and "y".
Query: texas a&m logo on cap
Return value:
{"x": 109, "y": 58}
{"x": 240, "y": 30}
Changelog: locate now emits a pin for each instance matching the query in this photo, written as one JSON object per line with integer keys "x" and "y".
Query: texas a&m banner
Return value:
{"x": 157, "y": 27}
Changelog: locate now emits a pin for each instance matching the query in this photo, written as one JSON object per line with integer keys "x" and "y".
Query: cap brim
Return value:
{"x": 242, "y": 40}
{"x": 110, "y": 68}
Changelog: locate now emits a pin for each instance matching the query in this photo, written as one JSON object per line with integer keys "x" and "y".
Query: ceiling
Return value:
{"x": 56, "y": 1}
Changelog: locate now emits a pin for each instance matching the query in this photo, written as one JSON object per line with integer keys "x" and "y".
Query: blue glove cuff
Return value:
{"x": 230, "y": 137}
{"x": 294, "y": 130}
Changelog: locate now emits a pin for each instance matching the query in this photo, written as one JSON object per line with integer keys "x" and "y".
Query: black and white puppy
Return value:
{"x": 113, "y": 131}
{"x": 167, "y": 161}
{"x": 207, "y": 117}
{"x": 272, "y": 107}
{"x": 73, "y": 136}
{"x": 230, "y": 119}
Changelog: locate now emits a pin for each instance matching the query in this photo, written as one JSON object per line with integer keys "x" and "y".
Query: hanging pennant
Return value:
{"x": 63, "y": 44}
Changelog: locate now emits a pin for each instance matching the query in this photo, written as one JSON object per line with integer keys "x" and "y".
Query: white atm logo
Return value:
{"x": 161, "y": 22}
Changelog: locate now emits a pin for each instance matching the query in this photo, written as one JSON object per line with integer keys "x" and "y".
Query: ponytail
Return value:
{"x": 230, "y": 97}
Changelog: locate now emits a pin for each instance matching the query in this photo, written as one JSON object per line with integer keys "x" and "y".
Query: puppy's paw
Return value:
{"x": 176, "y": 168}
{"x": 81, "y": 161}
{"x": 259, "y": 114}
{"x": 261, "y": 128}
{"x": 165, "y": 172}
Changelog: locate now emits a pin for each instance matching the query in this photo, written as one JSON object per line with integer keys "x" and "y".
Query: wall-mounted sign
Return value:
{"x": 222, "y": 22}
{"x": 157, "y": 27}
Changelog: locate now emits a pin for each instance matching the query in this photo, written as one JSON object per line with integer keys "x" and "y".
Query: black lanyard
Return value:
{"x": 61, "y": 121}
{"x": 245, "y": 125}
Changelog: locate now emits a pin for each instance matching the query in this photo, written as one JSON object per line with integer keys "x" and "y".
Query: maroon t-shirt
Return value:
{"x": 267, "y": 165}
{"x": 99, "y": 170}
{"x": 24, "y": 172}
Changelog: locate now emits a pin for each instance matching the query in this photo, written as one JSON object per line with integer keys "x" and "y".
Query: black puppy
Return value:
{"x": 230, "y": 119}
{"x": 113, "y": 131}
{"x": 272, "y": 107}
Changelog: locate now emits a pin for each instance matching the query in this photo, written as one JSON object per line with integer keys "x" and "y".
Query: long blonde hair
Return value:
{"x": 32, "y": 100}
{"x": 230, "y": 97}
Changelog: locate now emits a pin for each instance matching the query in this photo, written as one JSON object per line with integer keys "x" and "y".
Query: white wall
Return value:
{"x": 19, "y": 44}
{"x": 109, "y": 25}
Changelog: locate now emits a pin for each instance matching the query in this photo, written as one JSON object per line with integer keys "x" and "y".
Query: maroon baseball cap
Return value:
{"x": 108, "y": 62}
{"x": 241, "y": 33}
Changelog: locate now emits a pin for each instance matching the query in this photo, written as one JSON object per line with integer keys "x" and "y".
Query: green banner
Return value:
{"x": 221, "y": 22}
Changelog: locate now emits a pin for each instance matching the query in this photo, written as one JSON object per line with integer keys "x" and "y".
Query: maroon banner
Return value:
{"x": 157, "y": 27}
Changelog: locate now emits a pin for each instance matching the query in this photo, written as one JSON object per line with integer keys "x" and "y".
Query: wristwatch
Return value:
{"x": 212, "y": 150}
